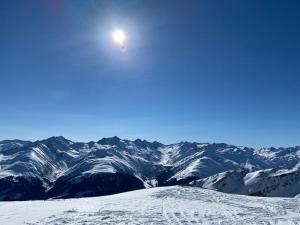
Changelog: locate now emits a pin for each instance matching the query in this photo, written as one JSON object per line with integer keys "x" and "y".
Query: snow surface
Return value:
{"x": 163, "y": 205}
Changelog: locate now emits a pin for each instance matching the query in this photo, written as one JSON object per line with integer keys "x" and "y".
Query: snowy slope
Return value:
{"x": 164, "y": 205}
{"x": 60, "y": 168}
{"x": 26, "y": 171}
{"x": 190, "y": 160}
{"x": 268, "y": 182}
{"x": 57, "y": 167}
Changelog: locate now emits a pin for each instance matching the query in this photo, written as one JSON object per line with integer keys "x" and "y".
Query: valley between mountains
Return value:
{"x": 59, "y": 168}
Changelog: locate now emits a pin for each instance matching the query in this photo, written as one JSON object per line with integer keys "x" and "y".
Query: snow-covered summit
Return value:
{"x": 58, "y": 167}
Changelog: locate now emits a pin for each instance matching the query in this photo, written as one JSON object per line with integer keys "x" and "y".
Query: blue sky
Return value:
{"x": 206, "y": 71}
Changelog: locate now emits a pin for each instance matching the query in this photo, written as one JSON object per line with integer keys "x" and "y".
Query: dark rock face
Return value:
{"x": 111, "y": 141}
{"x": 29, "y": 188}
{"x": 95, "y": 185}
{"x": 8, "y": 145}
{"x": 21, "y": 188}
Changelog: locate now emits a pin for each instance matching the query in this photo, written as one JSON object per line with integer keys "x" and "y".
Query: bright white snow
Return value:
{"x": 164, "y": 205}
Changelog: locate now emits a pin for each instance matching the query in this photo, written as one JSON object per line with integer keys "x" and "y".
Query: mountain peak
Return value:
{"x": 71, "y": 168}
{"x": 145, "y": 144}
{"x": 56, "y": 142}
{"x": 110, "y": 141}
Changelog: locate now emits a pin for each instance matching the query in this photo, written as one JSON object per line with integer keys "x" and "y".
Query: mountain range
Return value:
{"x": 59, "y": 168}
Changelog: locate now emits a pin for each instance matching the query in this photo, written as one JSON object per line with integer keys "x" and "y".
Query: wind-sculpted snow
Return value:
{"x": 157, "y": 206}
{"x": 60, "y": 168}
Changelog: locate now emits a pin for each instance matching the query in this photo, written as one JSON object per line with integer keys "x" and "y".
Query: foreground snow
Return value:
{"x": 164, "y": 205}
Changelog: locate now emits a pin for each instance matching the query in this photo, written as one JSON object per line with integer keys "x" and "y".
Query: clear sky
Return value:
{"x": 206, "y": 71}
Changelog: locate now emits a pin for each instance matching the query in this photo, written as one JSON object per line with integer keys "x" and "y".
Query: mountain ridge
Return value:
{"x": 59, "y": 168}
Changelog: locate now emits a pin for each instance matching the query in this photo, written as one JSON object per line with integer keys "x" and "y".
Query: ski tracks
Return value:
{"x": 174, "y": 213}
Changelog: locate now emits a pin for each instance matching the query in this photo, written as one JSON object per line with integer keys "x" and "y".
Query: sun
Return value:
{"x": 119, "y": 36}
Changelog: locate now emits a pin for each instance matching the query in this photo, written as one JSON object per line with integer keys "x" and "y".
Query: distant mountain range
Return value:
{"x": 60, "y": 168}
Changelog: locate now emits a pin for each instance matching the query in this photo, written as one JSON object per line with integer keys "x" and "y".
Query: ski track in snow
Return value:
{"x": 157, "y": 206}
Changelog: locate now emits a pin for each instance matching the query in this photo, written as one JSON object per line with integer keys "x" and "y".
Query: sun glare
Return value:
{"x": 119, "y": 37}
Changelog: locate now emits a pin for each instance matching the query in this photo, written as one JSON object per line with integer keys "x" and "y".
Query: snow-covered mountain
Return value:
{"x": 60, "y": 168}
{"x": 267, "y": 182}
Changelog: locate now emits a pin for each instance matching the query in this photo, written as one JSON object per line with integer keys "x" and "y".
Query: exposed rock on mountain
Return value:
{"x": 60, "y": 168}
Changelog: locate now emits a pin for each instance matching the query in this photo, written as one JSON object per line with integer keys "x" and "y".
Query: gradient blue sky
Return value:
{"x": 206, "y": 71}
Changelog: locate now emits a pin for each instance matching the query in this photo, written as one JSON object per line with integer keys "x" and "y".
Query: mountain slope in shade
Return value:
{"x": 60, "y": 168}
